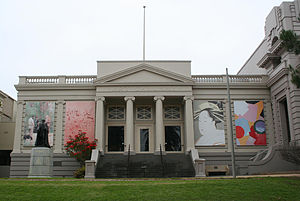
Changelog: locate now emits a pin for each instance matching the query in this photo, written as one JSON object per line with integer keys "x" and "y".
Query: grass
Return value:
{"x": 162, "y": 189}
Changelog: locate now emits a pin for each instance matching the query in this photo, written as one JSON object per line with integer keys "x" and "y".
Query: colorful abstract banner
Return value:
{"x": 209, "y": 123}
{"x": 80, "y": 115}
{"x": 249, "y": 123}
{"x": 35, "y": 112}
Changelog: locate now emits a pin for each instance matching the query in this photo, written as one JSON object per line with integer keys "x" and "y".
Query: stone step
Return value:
{"x": 144, "y": 165}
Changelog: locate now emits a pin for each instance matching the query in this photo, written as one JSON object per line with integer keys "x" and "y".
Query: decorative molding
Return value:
{"x": 100, "y": 98}
{"x": 268, "y": 59}
{"x": 132, "y": 98}
{"x": 283, "y": 72}
{"x": 156, "y": 98}
{"x": 60, "y": 102}
{"x": 21, "y": 102}
{"x": 186, "y": 98}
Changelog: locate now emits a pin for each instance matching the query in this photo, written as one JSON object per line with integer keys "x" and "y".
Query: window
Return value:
{"x": 116, "y": 112}
{"x": 172, "y": 113}
{"x": 144, "y": 113}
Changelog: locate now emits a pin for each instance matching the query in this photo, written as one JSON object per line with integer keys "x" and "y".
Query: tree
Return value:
{"x": 291, "y": 42}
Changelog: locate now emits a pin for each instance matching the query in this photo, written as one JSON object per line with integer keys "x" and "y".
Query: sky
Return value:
{"x": 67, "y": 37}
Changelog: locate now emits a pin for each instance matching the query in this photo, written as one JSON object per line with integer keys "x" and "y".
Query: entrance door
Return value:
{"x": 285, "y": 124}
{"x": 173, "y": 138}
{"x": 115, "y": 138}
{"x": 143, "y": 139}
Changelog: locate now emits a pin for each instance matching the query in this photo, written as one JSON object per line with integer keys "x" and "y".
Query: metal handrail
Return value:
{"x": 128, "y": 161}
{"x": 162, "y": 163}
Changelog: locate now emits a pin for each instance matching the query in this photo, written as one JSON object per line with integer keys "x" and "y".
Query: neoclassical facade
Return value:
{"x": 153, "y": 118}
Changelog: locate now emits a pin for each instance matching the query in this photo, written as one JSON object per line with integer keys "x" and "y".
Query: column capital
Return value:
{"x": 132, "y": 98}
{"x": 61, "y": 102}
{"x": 188, "y": 98}
{"x": 21, "y": 102}
{"x": 156, "y": 98}
{"x": 100, "y": 98}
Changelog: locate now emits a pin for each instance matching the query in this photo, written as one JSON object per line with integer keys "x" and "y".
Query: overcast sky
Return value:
{"x": 67, "y": 37}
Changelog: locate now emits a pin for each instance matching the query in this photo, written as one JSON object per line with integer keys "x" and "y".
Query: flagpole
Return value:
{"x": 144, "y": 34}
{"x": 231, "y": 127}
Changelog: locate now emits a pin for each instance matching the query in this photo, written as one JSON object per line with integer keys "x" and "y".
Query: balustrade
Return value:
{"x": 89, "y": 79}
{"x": 232, "y": 78}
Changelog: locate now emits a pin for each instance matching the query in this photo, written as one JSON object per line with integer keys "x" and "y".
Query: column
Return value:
{"x": 159, "y": 124}
{"x": 129, "y": 125}
{"x": 59, "y": 127}
{"x": 270, "y": 132}
{"x": 188, "y": 123}
{"x": 18, "y": 128}
{"x": 290, "y": 111}
{"x": 100, "y": 126}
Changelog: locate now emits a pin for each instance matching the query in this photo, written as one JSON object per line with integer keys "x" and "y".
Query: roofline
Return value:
{"x": 112, "y": 61}
{"x": 6, "y": 95}
{"x": 251, "y": 55}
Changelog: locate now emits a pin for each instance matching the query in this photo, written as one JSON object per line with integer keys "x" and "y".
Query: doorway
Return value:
{"x": 115, "y": 138}
{"x": 144, "y": 139}
{"x": 173, "y": 138}
{"x": 284, "y": 118}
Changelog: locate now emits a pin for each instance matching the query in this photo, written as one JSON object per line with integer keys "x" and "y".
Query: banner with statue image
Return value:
{"x": 209, "y": 123}
{"x": 80, "y": 116}
{"x": 35, "y": 112}
{"x": 249, "y": 123}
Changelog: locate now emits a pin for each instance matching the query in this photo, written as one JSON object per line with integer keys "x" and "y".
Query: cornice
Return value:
{"x": 276, "y": 47}
{"x": 144, "y": 61}
{"x": 277, "y": 76}
{"x": 145, "y": 84}
{"x": 267, "y": 59}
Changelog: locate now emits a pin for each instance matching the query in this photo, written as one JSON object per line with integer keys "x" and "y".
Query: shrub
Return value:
{"x": 80, "y": 172}
{"x": 80, "y": 147}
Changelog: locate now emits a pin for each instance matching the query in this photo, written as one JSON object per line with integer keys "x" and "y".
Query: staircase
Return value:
{"x": 144, "y": 165}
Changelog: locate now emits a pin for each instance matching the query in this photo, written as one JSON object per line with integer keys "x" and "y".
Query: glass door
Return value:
{"x": 143, "y": 139}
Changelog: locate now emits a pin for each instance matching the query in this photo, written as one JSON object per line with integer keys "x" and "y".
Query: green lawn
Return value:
{"x": 162, "y": 189}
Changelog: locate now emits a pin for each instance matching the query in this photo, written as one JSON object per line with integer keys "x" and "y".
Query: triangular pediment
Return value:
{"x": 143, "y": 73}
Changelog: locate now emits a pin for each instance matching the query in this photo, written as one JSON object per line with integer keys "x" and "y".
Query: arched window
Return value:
{"x": 274, "y": 40}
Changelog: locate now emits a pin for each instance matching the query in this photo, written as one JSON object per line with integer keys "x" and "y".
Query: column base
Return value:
{"x": 101, "y": 153}
{"x": 16, "y": 151}
{"x": 158, "y": 153}
{"x": 131, "y": 153}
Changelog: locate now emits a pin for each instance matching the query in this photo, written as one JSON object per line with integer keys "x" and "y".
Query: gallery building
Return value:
{"x": 154, "y": 118}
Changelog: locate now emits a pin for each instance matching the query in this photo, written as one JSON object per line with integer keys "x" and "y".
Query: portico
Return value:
{"x": 148, "y": 105}
{"x": 144, "y": 124}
